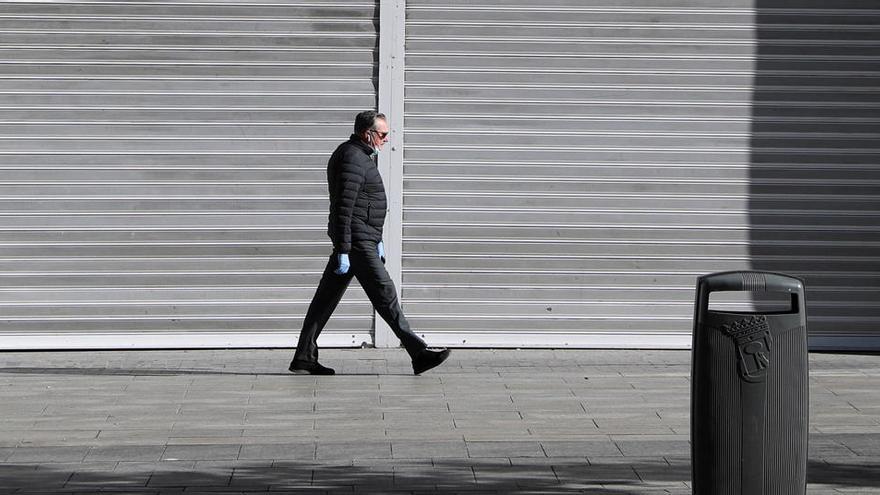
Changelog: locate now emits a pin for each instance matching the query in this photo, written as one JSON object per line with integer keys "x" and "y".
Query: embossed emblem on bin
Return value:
{"x": 753, "y": 343}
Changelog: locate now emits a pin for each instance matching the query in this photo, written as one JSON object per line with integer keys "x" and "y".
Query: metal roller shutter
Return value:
{"x": 570, "y": 169}
{"x": 163, "y": 169}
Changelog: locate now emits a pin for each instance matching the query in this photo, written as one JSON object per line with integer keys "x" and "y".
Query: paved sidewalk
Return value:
{"x": 505, "y": 422}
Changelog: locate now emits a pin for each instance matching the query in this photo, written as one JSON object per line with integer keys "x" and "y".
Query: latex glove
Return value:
{"x": 381, "y": 248}
{"x": 344, "y": 265}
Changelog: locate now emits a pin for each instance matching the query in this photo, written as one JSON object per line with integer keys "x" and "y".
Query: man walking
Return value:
{"x": 357, "y": 215}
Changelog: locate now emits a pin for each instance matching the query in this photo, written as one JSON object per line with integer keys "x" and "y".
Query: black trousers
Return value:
{"x": 371, "y": 274}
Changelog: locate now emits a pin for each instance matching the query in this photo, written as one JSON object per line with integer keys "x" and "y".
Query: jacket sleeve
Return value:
{"x": 349, "y": 181}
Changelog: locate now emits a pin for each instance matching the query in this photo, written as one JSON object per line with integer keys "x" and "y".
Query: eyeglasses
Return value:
{"x": 380, "y": 134}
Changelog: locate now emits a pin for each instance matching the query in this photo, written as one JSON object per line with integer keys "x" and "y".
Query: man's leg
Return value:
{"x": 373, "y": 277}
{"x": 327, "y": 297}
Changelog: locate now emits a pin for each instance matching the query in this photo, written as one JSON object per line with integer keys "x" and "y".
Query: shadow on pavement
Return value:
{"x": 850, "y": 475}
{"x": 440, "y": 476}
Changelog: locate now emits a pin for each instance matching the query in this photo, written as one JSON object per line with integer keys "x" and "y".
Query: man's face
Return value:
{"x": 379, "y": 136}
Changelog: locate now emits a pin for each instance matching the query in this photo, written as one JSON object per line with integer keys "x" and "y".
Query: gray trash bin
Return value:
{"x": 749, "y": 391}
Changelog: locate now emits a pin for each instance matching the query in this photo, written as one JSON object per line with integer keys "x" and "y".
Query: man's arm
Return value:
{"x": 349, "y": 181}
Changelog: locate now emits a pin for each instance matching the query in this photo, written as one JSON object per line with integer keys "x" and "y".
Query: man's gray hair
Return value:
{"x": 367, "y": 120}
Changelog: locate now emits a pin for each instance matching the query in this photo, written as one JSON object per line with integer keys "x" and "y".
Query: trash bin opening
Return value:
{"x": 749, "y": 313}
{"x": 758, "y": 302}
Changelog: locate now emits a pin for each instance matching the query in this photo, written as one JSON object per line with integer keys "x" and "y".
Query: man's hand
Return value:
{"x": 381, "y": 248}
{"x": 344, "y": 265}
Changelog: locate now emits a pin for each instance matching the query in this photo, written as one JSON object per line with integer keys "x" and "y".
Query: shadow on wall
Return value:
{"x": 815, "y": 161}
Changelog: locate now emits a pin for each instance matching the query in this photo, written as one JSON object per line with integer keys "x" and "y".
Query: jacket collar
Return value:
{"x": 356, "y": 140}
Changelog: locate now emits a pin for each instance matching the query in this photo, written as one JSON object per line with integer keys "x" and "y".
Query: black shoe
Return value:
{"x": 426, "y": 360}
{"x": 299, "y": 368}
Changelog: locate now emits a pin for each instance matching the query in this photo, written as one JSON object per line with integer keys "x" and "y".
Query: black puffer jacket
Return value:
{"x": 357, "y": 197}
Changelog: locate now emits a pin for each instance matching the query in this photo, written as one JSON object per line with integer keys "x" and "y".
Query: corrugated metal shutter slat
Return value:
{"x": 610, "y": 153}
{"x": 164, "y": 169}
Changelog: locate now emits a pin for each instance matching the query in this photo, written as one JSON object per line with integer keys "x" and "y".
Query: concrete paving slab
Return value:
{"x": 581, "y": 448}
{"x": 221, "y": 440}
{"x": 277, "y": 431}
{"x": 124, "y": 436}
{"x": 580, "y": 421}
{"x": 424, "y": 434}
{"x": 497, "y": 435}
{"x": 651, "y": 446}
{"x": 825, "y": 446}
{"x": 504, "y": 449}
{"x": 125, "y": 453}
{"x": 418, "y": 416}
{"x": 293, "y": 451}
{"x": 48, "y": 454}
{"x": 60, "y": 437}
{"x": 201, "y": 452}
{"x": 353, "y": 450}
{"x": 865, "y": 444}
{"x": 415, "y": 449}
